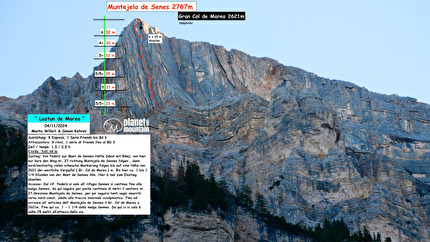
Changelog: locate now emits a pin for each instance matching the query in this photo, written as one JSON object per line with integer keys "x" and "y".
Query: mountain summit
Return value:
{"x": 315, "y": 148}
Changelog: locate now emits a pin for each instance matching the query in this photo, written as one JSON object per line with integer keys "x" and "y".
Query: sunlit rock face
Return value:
{"x": 314, "y": 148}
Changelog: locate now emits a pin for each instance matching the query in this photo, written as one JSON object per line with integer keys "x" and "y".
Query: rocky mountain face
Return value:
{"x": 314, "y": 148}
{"x": 198, "y": 226}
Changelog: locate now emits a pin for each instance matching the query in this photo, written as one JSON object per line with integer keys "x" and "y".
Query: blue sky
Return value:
{"x": 383, "y": 45}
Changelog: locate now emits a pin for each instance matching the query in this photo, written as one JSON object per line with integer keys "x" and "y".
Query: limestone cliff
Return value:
{"x": 314, "y": 148}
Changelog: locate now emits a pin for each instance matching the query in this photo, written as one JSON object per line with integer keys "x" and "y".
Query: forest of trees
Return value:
{"x": 189, "y": 189}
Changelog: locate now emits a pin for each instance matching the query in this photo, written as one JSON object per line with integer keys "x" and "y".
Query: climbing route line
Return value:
{"x": 104, "y": 60}
{"x": 143, "y": 60}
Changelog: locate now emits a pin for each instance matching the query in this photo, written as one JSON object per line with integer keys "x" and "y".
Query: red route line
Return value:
{"x": 143, "y": 60}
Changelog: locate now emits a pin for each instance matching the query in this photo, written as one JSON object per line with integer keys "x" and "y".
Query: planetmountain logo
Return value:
{"x": 114, "y": 125}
